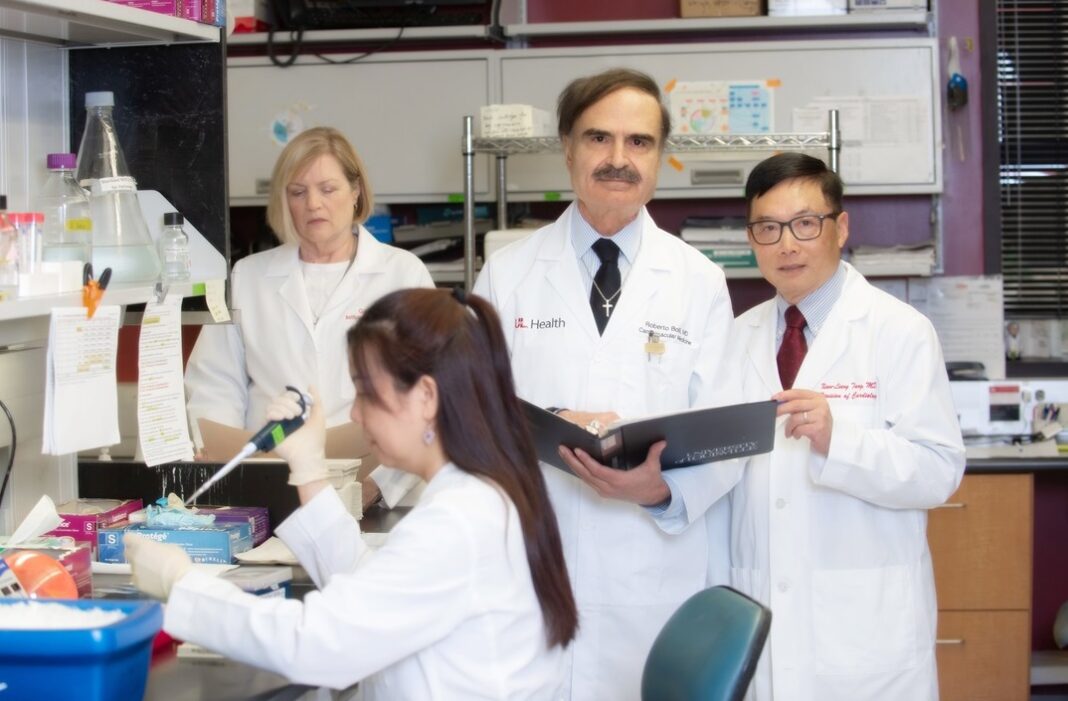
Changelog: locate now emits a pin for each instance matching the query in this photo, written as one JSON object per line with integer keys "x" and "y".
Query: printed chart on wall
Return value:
{"x": 883, "y": 138}
{"x": 967, "y": 314}
{"x": 722, "y": 107}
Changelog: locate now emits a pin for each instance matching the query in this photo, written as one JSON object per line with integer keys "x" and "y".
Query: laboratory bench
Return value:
{"x": 173, "y": 678}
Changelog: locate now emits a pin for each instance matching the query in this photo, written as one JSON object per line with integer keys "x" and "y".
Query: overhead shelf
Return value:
{"x": 876, "y": 21}
{"x": 343, "y": 36}
{"x": 120, "y": 294}
{"x": 675, "y": 143}
{"x": 89, "y": 23}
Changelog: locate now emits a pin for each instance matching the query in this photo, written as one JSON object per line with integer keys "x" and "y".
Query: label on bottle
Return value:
{"x": 120, "y": 184}
{"x": 80, "y": 225}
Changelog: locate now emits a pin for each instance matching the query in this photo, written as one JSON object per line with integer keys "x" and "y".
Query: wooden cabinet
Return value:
{"x": 981, "y": 542}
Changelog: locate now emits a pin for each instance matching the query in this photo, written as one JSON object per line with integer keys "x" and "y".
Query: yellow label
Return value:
{"x": 83, "y": 224}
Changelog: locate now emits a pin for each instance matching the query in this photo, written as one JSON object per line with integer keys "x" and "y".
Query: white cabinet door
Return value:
{"x": 402, "y": 111}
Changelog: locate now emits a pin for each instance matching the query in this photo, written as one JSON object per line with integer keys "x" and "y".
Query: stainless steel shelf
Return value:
{"x": 676, "y": 143}
{"x": 341, "y": 36}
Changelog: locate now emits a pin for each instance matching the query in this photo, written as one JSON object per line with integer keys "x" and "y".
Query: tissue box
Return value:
{"x": 89, "y": 664}
{"x": 82, "y": 518}
{"x": 213, "y": 544}
{"x": 790, "y": 8}
{"x": 512, "y": 121}
{"x": 270, "y": 582}
{"x": 255, "y": 516}
{"x": 164, "y": 7}
{"x": 869, "y": 5}
{"x": 721, "y": 8}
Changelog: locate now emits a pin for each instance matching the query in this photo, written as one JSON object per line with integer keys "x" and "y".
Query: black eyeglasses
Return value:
{"x": 804, "y": 228}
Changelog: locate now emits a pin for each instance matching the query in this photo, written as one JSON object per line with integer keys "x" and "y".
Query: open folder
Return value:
{"x": 694, "y": 437}
{"x": 222, "y": 442}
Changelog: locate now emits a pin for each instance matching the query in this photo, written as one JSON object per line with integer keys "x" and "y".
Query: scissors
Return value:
{"x": 93, "y": 290}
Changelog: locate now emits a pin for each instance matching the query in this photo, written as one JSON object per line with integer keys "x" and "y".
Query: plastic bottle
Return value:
{"x": 174, "y": 248}
{"x": 68, "y": 224}
{"x": 29, "y": 226}
{"x": 120, "y": 237}
{"x": 9, "y": 253}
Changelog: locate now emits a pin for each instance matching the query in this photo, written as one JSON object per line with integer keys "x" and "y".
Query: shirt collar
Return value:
{"x": 817, "y": 305}
{"x": 583, "y": 236}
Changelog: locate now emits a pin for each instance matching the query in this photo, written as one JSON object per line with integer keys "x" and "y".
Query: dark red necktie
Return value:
{"x": 793, "y": 348}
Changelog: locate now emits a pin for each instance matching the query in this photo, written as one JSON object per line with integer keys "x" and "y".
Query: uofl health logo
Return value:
{"x": 554, "y": 323}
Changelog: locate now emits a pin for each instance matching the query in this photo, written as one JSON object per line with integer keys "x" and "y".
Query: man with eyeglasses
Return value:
{"x": 829, "y": 529}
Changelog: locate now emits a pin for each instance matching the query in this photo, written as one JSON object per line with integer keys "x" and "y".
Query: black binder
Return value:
{"x": 694, "y": 437}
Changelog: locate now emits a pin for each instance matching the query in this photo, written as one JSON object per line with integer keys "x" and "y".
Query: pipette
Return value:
{"x": 266, "y": 440}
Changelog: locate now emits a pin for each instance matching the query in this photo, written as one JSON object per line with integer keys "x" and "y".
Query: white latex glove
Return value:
{"x": 305, "y": 450}
{"x": 155, "y": 566}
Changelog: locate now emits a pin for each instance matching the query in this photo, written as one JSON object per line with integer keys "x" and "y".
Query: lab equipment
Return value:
{"x": 28, "y": 226}
{"x": 92, "y": 289}
{"x": 98, "y": 663}
{"x": 174, "y": 249}
{"x": 120, "y": 236}
{"x": 266, "y": 439}
{"x": 9, "y": 253}
{"x": 26, "y": 573}
{"x": 68, "y": 225}
{"x": 1010, "y": 418}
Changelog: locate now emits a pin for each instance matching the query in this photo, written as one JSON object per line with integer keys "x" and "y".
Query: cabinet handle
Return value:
{"x": 949, "y": 641}
{"x": 952, "y": 505}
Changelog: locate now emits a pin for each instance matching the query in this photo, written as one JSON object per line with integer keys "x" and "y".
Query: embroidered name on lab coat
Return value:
{"x": 538, "y": 324}
{"x": 666, "y": 332}
{"x": 868, "y": 389}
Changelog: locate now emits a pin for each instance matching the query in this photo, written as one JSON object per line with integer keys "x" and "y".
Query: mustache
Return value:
{"x": 612, "y": 173}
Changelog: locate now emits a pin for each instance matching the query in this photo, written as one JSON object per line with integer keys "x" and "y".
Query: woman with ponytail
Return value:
{"x": 469, "y": 596}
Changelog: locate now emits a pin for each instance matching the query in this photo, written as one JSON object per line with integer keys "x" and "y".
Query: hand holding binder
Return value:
{"x": 694, "y": 436}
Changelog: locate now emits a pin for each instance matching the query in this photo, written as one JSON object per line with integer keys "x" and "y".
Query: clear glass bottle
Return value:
{"x": 9, "y": 253}
{"x": 174, "y": 248}
{"x": 68, "y": 224}
{"x": 120, "y": 236}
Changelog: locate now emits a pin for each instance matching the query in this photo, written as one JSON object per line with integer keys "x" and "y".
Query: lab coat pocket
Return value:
{"x": 666, "y": 378}
{"x": 863, "y": 620}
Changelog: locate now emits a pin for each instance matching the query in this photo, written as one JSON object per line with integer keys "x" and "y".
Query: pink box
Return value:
{"x": 82, "y": 518}
{"x": 76, "y": 559}
{"x": 164, "y": 7}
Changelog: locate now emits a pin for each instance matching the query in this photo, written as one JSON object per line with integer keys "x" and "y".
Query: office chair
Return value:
{"x": 708, "y": 649}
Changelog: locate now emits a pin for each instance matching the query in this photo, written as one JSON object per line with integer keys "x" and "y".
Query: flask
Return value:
{"x": 9, "y": 253}
{"x": 68, "y": 225}
{"x": 120, "y": 237}
{"x": 174, "y": 248}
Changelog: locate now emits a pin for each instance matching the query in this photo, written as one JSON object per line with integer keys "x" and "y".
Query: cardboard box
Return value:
{"x": 269, "y": 582}
{"x": 76, "y": 558}
{"x": 214, "y": 544}
{"x": 514, "y": 121}
{"x": 255, "y": 516}
{"x": 82, "y": 518}
{"x": 721, "y": 8}
{"x": 164, "y": 7}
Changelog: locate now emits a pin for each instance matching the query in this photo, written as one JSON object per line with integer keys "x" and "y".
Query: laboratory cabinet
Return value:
{"x": 169, "y": 73}
{"x": 981, "y": 548}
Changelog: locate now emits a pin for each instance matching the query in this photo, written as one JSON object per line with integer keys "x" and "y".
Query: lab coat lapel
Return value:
{"x": 761, "y": 349}
{"x": 292, "y": 291}
{"x": 564, "y": 277}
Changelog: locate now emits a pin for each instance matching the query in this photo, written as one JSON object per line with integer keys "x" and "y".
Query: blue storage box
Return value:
{"x": 105, "y": 663}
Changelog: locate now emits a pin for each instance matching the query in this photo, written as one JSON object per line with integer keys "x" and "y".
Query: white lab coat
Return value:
{"x": 628, "y": 575}
{"x": 445, "y": 609}
{"x": 837, "y": 545}
{"x": 235, "y": 370}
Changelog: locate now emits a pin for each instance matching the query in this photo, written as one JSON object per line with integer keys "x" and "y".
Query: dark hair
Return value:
{"x": 458, "y": 341}
{"x": 789, "y": 166}
{"x": 582, "y": 93}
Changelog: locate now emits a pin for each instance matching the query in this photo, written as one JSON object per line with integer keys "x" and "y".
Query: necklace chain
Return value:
{"x": 606, "y": 299}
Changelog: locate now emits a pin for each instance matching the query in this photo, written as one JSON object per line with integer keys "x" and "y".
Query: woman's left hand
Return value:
{"x": 305, "y": 449}
{"x": 810, "y": 416}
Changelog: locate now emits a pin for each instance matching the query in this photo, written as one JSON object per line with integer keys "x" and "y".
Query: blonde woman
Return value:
{"x": 296, "y": 302}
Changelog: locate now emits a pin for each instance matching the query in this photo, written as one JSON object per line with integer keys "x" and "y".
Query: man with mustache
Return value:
{"x": 609, "y": 316}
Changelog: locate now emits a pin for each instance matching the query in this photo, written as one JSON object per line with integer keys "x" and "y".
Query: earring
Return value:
{"x": 428, "y": 435}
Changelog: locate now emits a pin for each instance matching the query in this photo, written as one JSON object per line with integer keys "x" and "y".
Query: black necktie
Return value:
{"x": 606, "y": 283}
{"x": 793, "y": 348}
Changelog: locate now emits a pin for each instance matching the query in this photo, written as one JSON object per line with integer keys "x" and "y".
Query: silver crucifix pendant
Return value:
{"x": 607, "y": 309}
